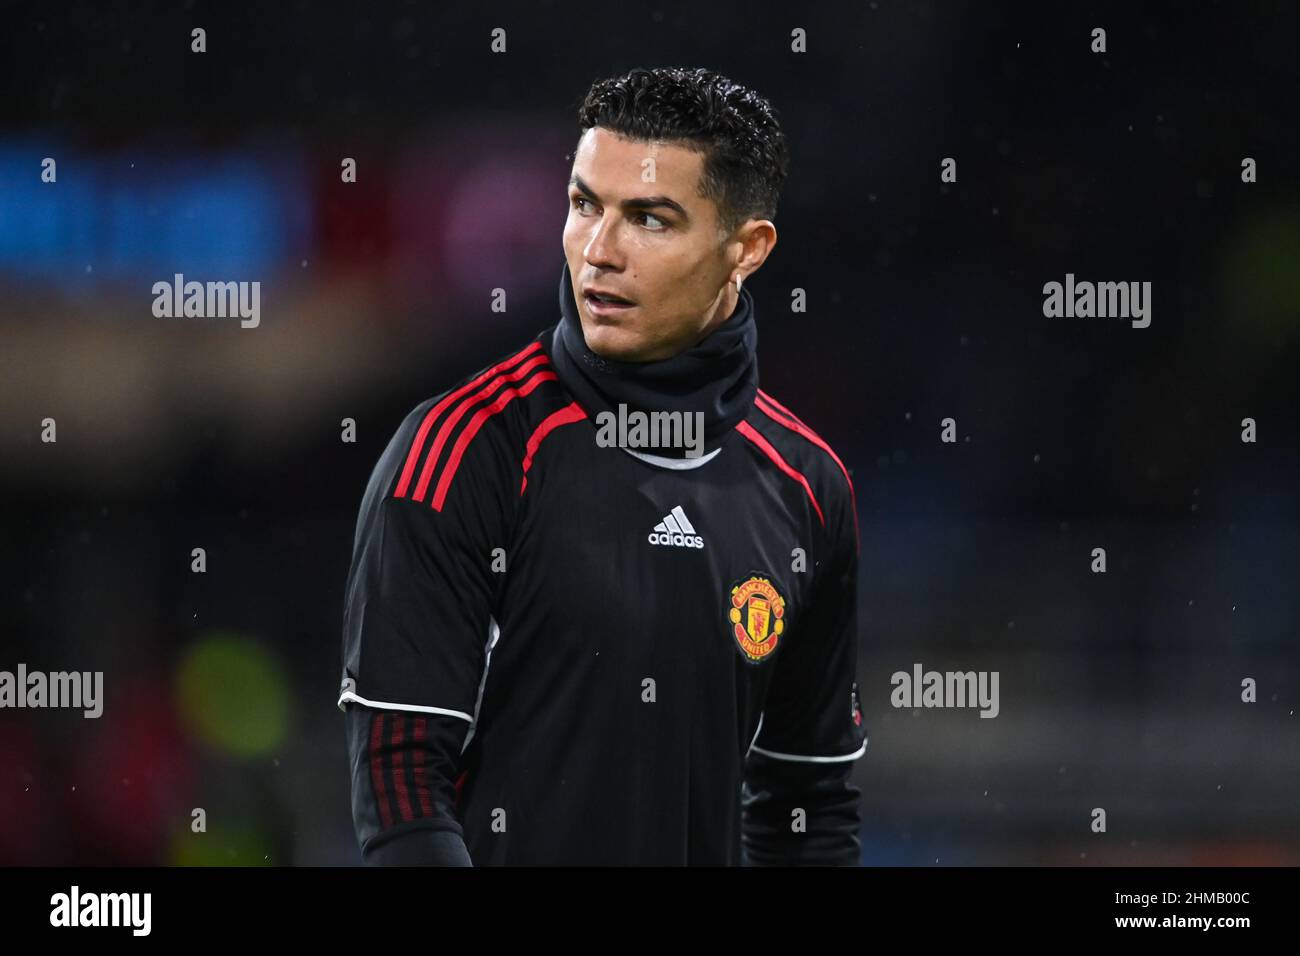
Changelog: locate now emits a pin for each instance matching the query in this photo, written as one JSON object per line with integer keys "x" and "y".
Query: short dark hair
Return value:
{"x": 746, "y": 159}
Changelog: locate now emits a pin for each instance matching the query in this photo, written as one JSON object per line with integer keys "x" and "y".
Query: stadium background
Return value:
{"x": 1118, "y": 691}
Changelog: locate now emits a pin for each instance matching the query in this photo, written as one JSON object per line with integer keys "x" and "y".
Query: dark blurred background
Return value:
{"x": 1119, "y": 690}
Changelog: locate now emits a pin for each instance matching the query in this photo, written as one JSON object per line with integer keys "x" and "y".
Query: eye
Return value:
{"x": 650, "y": 215}
{"x": 577, "y": 200}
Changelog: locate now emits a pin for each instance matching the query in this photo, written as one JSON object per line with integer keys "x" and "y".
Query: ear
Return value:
{"x": 754, "y": 242}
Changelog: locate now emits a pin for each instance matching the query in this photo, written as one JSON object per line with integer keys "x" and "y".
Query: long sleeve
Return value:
{"x": 775, "y": 789}
{"x": 799, "y": 804}
{"x": 404, "y": 799}
{"x": 418, "y": 631}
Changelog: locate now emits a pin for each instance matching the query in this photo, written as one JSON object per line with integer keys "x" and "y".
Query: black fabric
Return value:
{"x": 718, "y": 376}
{"x": 512, "y": 628}
{"x": 774, "y": 789}
{"x": 421, "y": 847}
{"x": 395, "y": 829}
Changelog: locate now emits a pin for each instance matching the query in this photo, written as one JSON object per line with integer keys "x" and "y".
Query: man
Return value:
{"x": 560, "y": 649}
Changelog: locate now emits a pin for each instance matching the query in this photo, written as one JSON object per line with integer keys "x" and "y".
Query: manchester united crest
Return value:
{"x": 757, "y": 616}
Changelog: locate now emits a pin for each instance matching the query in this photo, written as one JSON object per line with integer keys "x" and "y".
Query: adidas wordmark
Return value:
{"x": 676, "y": 531}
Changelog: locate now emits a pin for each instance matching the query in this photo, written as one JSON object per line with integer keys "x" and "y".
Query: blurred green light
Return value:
{"x": 233, "y": 695}
{"x": 237, "y": 845}
{"x": 1261, "y": 277}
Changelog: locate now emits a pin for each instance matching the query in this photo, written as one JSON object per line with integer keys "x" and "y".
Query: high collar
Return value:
{"x": 718, "y": 376}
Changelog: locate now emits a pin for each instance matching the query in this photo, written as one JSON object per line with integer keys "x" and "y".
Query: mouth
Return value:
{"x": 601, "y": 303}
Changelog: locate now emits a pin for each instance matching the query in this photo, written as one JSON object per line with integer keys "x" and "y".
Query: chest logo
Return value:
{"x": 757, "y": 616}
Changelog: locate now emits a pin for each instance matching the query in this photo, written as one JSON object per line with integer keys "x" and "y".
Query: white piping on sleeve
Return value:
{"x": 349, "y": 696}
{"x": 756, "y": 732}
{"x": 494, "y": 634}
{"x": 804, "y": 759}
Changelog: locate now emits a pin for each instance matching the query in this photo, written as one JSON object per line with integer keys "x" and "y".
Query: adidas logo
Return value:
{"x": 676, "y": 531}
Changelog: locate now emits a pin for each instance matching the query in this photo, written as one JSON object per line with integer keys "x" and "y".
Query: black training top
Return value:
{"x": 571, "y": 653}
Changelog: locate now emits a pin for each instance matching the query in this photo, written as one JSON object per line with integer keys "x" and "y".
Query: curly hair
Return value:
{"x": 746, "y": 158}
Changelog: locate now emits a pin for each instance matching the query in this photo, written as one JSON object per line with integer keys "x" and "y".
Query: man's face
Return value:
{"x": 654, "y": 243}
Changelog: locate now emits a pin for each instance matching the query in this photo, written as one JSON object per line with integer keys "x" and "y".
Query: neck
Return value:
{"x": 716, "y": 376}
{"x": 724, "y": 306}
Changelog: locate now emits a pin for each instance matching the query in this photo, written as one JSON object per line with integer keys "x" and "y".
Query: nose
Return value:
{"x": 602, "y": 249}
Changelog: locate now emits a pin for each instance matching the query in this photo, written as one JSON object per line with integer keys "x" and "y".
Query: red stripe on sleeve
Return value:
{"x": 413, "y": 456}
{"x": 377, "y": 770}
{"x": 748, "y": 430}
{"x": 475, "y": 423}
{"x": 567, "y": 415}
{"x": 454, "y": 418}
{"x": 421, "y": 784}
{"x": 399, "y": 772}
{"x": 778, "y": 406}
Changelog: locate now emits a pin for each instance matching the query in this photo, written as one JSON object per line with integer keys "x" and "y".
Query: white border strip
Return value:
{"x": 757, "y": 731}
{"x": 676, "y": 464}
{"x": 347, "y": 695}
{"x": 801, "y": 758}
{"x": 494, "y": 635}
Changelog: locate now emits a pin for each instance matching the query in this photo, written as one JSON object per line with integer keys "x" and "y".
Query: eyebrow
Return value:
{"x": 641, "y": 202}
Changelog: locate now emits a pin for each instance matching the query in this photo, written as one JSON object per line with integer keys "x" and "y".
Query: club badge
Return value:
{"x": 757, "y": 616}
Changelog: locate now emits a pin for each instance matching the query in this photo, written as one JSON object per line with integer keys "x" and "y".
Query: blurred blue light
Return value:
{"x": 227, "y": 217}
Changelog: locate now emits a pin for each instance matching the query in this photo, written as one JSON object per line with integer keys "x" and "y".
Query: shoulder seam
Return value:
{"x": 451, "y": 422}
{"x": 778, "y": 413}
{"x": 573, "y": 412}
{"x": 755, "y": 437}
{"x": 523, "y": 384}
